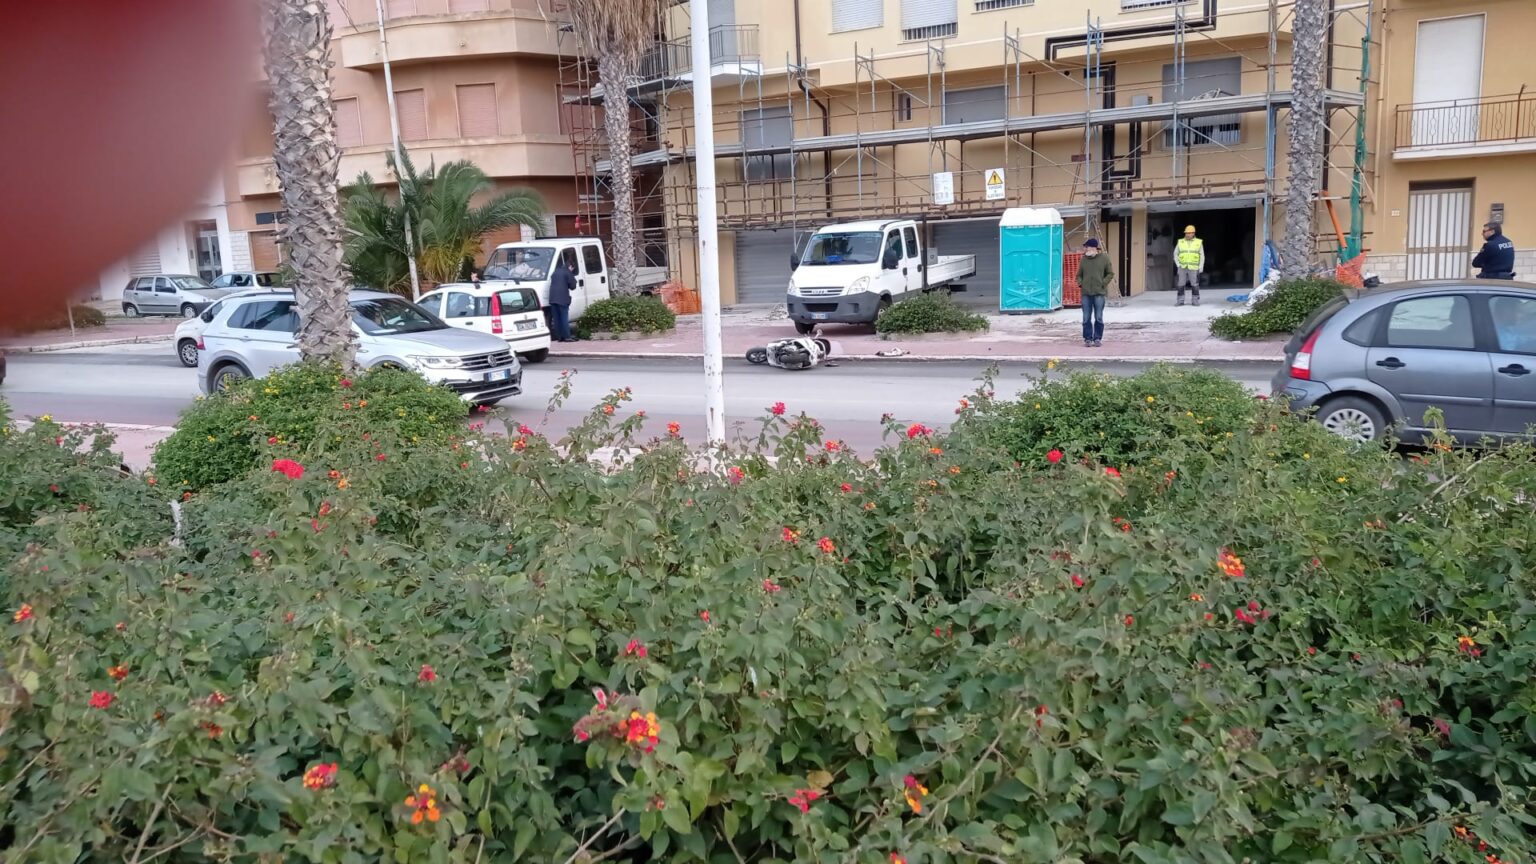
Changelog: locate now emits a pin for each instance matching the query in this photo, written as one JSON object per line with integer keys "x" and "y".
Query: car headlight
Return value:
{"x": 793, "y": 291}
{"x": 437, "y": 362}
{"x": 859, "y": 286}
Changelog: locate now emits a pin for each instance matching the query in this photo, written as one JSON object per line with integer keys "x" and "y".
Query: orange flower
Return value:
{"x": 117, "y": 673}
{"x": 320, "y": 776}
{"x": 1230, "y": 564}
{"x": 22, "y": 613}
{"x": 642, "y": 732}
{"x": 423, "y": 805}
{"x": 897, "y": 859}
{"x": 1197, "y": 597}
{"x": 914, "y": 792}
{"x": 674, "y": 429}
{"x": 791, "y": 535}
{"x": 826, "y": 545}
{"x": 954, "y": 469}
{"x": 608, "y": 409}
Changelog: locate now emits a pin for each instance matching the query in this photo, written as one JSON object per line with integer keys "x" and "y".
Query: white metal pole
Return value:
{"x": 394, "y": 134}
{"x": 709, "y": 233}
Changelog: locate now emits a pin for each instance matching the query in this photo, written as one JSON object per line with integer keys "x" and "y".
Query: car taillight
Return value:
{"x": 495, "y": 314}
{"x": 200, "y": 345}
{"x": 1301, "y": 364}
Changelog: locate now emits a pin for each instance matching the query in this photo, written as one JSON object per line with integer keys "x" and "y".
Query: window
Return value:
{"x": 975, "y": 105}
{"x": 592, "y": 257}
{"x": 1514, "y": 320}
{"x": 828, "y": 249}
{"x": 928, "y": 19}
{"x": 164, "y": 286}
{"x": 857, "y": 15}
{"x": 144, "y": 284}
{"x": 892, "y": 250}
{"x": 1432, "y": 322}
{"x": 764, "y": 128}
{"x": 459, "y": 305}
{"x": 272, "y": 217}
{"x": 1204, "y": 79}
{"x": 212, "y": 312}
{"x": 911, "y": 236}
{"x": 518, "y": 264}
{"x": 274, "y": 316}
{"x": 225, "y": 281}
{"x": 1363, "y": 332}
{"x": 990, "y": 5}
{"x": 477, "y": 111}
{"x": 520, "y": 300}
{"x": 433, "y": 303}
{"x": 904, "y": 106}
{"x": 1149, "y": 4}
{"x": 568, "y": 257}
{"x": 349, "y": 133}
{"x": 411, "y": 106}
{"x": 391, "y": 315}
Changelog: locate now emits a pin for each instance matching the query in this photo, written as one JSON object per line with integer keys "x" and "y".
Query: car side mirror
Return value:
{"x": 794, "y": 260}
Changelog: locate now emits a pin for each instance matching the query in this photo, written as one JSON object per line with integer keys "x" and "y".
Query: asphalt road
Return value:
{"x": 144, "y": 384}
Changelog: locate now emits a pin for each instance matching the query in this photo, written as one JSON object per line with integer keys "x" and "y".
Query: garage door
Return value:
{"x": 762, "y": 265}
{"x": 979, "y": 238}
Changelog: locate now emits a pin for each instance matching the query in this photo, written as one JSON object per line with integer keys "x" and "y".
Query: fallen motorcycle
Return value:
{"x": 803, "y": 352}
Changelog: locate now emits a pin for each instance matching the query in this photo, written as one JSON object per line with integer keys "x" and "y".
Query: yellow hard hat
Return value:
{"x": 1189, "y": 229}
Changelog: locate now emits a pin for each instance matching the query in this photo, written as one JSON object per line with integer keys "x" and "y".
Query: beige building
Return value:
{"x": 473, "y": 79}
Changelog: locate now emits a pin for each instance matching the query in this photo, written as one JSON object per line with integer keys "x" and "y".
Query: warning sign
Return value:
{"x": 996, "y": 187}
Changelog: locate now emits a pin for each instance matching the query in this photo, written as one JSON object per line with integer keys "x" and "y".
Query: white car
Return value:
{"x": 256, "y": 333}
{"x": 510, "y": 312}
{"x": 190, "y": 332}
{"x": 243, "y": 279}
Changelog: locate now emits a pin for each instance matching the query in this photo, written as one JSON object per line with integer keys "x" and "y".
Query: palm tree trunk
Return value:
{"x": 298, "y": 58}
{"x": 1308, "y": 118}
{"x": 615, "y": 74}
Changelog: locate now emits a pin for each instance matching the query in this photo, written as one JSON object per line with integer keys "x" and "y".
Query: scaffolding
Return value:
{"x": 846, "y": 152}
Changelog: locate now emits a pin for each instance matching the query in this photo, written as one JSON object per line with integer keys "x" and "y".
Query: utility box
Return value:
{"x": 1031, "y": 254}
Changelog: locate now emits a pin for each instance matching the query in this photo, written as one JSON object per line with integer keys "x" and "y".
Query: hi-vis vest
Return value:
{"x": 1188, "y": 253}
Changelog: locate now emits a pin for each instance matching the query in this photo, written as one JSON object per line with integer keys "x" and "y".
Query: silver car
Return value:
{"x": 257, "y": 332}
{"x": 1377, "y": 359}
{"x": 169, "y": 294}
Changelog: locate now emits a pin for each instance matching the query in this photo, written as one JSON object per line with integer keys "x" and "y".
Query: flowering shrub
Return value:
{"x": 1017, "y": 662}
{"x": 298, "y": 410}
{"x": 929, "y": 313}
{"x": 625, "y": 315}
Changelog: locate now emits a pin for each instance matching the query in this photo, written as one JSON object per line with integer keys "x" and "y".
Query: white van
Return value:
{"x": 515, "y": 314}
{"x": 852, "y": 271}
{"x": 529, "y": 264}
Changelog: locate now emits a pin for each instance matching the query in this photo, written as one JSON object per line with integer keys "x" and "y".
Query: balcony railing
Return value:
{"x": 1467, "y": 122}
{"x": 728, "y": 43}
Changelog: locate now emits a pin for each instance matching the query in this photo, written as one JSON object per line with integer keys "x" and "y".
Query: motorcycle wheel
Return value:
{"x": 826, "y": 347}
{"x": 757, "y": 356}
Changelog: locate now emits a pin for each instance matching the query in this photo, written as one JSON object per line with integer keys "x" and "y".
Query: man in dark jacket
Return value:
{"x": 561, "y": 284}
{"x": 1094, "y": 273}
{"x": 1497, "y": 260}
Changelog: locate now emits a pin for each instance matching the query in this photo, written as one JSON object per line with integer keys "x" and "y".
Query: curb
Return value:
{"x": 968, "y": 358}
{"x": 87, "y": 343}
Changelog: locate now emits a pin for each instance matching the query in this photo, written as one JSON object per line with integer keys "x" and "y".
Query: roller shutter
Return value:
{"x": 973, "y": 237}
{"x": 857, "y": 15}
{"x": 762, "y": 265}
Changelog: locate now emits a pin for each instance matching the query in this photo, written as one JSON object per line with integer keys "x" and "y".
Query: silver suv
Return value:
{"x": 1375, "y": 359}
{"x": 254, "y": 333}
{"x": 169, "y": 294}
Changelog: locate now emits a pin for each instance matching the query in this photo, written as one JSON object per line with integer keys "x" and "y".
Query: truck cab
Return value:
{"x": 850, "y": 272}
{"x": 530, "y": 264}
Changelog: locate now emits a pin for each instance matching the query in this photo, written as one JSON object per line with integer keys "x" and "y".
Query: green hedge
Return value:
{"x": 929, "y": 313}
{"x": 625, "y": 315}
{"x": 303, "y": 409}
{"x": 1281, "y": 312}
{"x": 1287, "y": 650}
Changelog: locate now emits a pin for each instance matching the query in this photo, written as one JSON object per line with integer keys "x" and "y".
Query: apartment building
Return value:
{"x": 1455, "y": 135}
{"x": 473, "y": 79}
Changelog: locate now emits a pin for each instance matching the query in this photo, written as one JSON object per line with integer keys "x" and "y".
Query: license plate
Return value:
{"x": 498, "y": 375}
{"x": 527, "y": 325}
{"x": 818, "y": 316}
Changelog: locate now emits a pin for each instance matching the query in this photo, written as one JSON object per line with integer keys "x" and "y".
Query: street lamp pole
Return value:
{"x": 394, "y": 133}
{"x": 709, "y": 233}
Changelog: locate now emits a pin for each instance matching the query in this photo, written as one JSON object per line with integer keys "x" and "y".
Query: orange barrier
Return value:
{"x": 1071, "y": 295}
{"x": 1349, "y": 273}
{"x": 681, "y": 299}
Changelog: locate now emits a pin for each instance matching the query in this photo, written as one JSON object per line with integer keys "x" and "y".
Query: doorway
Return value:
{"x": 1228, "y": 233}
{"x": 1439, "y": 230}
{"x": 206, "y": 253}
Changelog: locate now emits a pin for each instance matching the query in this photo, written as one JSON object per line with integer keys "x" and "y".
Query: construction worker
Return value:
{"x": 1497, "y": 258}
{"x": 1189, "y": 255}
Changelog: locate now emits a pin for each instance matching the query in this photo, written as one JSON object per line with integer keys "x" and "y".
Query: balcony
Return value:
{"x": 1488, "y": 126}
{"x": 515, "y": 156}
{"x": 733, "y": 55}
{"x": 501, "y": 30}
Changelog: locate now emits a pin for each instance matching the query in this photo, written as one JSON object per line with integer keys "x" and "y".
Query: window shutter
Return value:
{"x": 920, "y": 14}
{"x": 349, "y": 123}
{"x": 857, "y": 15}
{"x": 461, "y": 6}
{"x": 477, "y": 111}
{"x": 412, "y": 108}
{"x": 400, "y": 8}
{"x": 145, "y": 262}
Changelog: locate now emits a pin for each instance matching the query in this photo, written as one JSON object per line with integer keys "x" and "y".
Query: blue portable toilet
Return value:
{"x": 1031, "y": 254}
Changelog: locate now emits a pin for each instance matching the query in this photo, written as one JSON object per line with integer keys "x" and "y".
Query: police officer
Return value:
{"x": 1189, "y": 255}
{"x": 1497, "y": 260}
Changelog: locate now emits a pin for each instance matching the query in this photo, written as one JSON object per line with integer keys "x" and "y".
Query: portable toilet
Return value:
{"x": 1031, "y": 248}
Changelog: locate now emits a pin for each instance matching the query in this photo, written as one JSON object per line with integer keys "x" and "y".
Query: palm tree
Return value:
{"x": 449, "y": 226}
{"x": 1309, "y": 36}
{"x": 617, "y": 33}
{"x": 298, "y": 61}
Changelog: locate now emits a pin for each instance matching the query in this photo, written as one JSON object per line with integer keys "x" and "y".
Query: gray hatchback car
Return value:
{"x": 1377, "y": 359}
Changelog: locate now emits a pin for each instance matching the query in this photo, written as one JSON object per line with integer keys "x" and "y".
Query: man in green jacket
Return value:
{"x": 1094, "y": 274}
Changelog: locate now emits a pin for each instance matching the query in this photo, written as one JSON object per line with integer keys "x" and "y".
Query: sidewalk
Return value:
{"x": 1143, "y": 328}
{"x": 117, "y": 331}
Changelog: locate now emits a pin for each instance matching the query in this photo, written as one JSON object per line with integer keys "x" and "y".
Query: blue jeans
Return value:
{"x": 560, "y": 323}
{"x": 1093, "y": 316}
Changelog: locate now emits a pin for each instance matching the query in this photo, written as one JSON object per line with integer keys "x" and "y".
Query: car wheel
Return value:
{"x": 188, "y": 310}
{"x": 1353, "y": 418}
{"x": 186, "y": 352}
{"x": 803, "y": 328}
{"x": 538, "y": 356}
{"x": 227, "y": 377}
{"x": 130, "y": 310}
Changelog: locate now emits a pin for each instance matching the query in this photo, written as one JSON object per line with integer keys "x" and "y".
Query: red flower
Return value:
{"x": 804, "y": 798}
{"x": 674, "y": 429}
{"x": 917, "y": 430}
{"x": 1078, "y": 581}
{"x": 1130, "y": 620}
{"x": 288, "y": 467}
{"x": 704, "y": 616}
{"x": 1054, "y": 456}
{"x": 771, "y": 587}
{"x": 791, "y": 535}
{"x": 345, "y": 382}
{"x": 333, "y": 474}
{"x": 427, "y": 674}
{"x": 1123, "y": 524}
{"x": 897, "y": 859}
{"x": 325, "y": 508}
{"x": 101, "y": 699}
{"x": 832, "y": 446}
{"x": 778, "y": 409}
{"x": 735, "y": 475}
{"x": 846, "y": 487}
{"x": 214, "y": 730}
{"x": 216, "y": 699}
{"x": 380, "y": 458}
{"x": 1243, "y": 616}
{"x": 1311, "y": 650}
{"x": 826, "y": 545}
{"x": 1112, "y": 471}
{"x": 22, "y": 613}
{"x": 272, "y": 440}
{"x": 321, "y": 776}
{"x": 636, "y": 648}
{"x": 1442, "y": 726}
{"x": 255, "y": 553}
{"x": 118, "y": 673}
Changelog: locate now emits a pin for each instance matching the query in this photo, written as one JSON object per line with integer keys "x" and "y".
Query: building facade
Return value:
{"x": 473, "y": 79}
